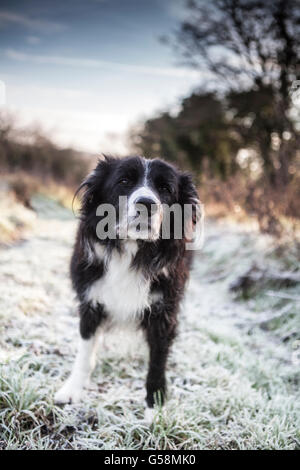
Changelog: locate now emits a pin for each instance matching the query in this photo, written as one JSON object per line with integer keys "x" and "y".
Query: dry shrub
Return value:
{"x": 23, "y": 186}
{"x": 224, "y": 198}
{"x": 32, "y": 152}
{"x": 15, "y": 218}
{"x": 44, "y": 160}
{"x": 275, "y": 209}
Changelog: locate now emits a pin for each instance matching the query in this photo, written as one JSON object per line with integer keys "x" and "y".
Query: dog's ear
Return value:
{"x": 92, "y": 186}
{"x": 193, "y": 212}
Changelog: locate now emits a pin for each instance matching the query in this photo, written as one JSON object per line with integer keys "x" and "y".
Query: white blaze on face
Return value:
{"x": 137, "y": 220}
{"x": 141, "y": 192}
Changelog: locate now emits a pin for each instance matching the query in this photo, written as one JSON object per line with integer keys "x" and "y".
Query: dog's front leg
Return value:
{"x": 72, "y": 389}
{"x": 160, "y": 332}
{"x": 84, "y": 364}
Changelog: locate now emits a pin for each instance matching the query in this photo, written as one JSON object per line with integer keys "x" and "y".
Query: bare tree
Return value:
{"x": 249, "y": 44}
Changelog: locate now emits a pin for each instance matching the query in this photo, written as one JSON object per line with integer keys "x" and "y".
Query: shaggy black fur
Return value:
{"x": 165, "y": 262}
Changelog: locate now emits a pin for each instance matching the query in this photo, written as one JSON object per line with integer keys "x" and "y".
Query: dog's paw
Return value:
{"x": 90, "y": 385}
{"x": 67, "y": 394}
{"x": 150, "y": 415}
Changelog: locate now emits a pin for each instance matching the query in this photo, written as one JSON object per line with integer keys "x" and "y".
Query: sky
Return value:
{"x": 88, "y": 70}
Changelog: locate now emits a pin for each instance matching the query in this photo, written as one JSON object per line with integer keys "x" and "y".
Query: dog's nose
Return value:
{"x": 149, "y": 204}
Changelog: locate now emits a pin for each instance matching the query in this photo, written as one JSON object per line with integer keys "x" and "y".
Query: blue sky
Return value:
{"x": 86, "y": 70}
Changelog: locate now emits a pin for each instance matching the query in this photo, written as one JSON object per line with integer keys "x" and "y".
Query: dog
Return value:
{"x": 137, "y": 279}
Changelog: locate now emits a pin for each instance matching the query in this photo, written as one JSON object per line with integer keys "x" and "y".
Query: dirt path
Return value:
{"x": 232, "y": 384}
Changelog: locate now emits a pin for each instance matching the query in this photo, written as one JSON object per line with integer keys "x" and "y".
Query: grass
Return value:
{"x": 233, "y": 372}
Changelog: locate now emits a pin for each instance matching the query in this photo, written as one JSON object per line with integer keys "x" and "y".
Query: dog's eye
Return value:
{"x": 124, "y": 181}
{"x": 164, "y": 188}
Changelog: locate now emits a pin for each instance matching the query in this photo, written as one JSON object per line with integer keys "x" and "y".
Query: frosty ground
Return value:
{"x": 233, "y": 372}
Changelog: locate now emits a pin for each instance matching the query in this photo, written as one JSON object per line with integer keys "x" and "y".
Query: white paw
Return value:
{"x": 150, "y": 415}
{"x": 89, "y": 384}
{"x": 68, "y": 393}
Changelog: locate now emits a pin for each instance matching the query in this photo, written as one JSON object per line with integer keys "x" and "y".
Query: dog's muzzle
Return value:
{"x": 146, "y": 206}
{"x": 144, "y": 215}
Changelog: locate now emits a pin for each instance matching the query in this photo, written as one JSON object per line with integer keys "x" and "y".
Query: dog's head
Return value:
{"x": 133, "y": 195}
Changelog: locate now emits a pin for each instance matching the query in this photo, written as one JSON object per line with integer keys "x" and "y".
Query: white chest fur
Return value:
{"x": 123, "y": 291}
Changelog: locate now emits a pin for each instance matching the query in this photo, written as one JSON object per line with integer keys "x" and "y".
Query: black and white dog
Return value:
{"x": 137, "y": 279}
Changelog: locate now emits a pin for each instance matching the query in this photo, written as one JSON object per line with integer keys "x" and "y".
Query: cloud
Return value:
{"x": 177, "y": 72}
{"x": 36, "y": 24}
{"x": 33, "y": 40}
{"x": 177, "y": 9}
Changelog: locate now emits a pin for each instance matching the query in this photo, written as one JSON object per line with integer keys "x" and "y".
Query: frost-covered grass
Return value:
{"x": 233, "y": 374}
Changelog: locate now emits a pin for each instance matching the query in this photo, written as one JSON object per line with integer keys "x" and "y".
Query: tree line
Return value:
{"x": 245, "y": 118}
